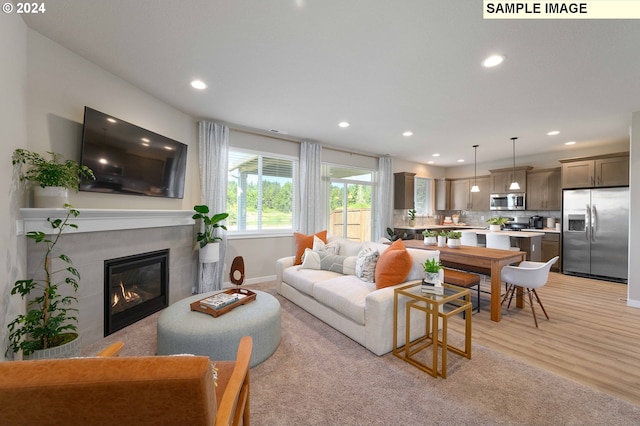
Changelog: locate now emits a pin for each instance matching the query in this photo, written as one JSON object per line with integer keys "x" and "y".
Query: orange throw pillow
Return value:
{"x": 306, "y": 242}
{"x": 393, "y": 266}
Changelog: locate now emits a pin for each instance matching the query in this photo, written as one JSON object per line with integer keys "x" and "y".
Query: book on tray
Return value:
{"x": 219, "y": 300}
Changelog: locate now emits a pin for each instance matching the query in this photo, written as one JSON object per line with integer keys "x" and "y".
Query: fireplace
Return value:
{"x": 135, "y": 287}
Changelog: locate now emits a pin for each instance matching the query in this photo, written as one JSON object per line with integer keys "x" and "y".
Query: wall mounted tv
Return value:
{"x": 127, "y": 159}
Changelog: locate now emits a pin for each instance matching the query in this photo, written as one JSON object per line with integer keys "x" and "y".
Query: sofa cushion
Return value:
{"x": 304, "y": 242}
{"x": 394, "y": 265}
{"x": 345, "y": 294}
{"x": 303, "y": 280}
{"x": 329, "y": 262}
{"x": 330, "y": 247}
{"x": 349, "y": 248}
{"x": 366, "y": 264}
{"x": 419, "y": 256}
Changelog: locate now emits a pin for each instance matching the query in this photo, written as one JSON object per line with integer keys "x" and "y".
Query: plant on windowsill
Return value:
{"x": 207, "y": 239}
{"x": 50, "y": 321}
{"x": 52, "y": 177}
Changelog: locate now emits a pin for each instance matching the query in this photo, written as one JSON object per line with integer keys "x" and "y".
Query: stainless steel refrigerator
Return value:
{"x": 595, "y": 232}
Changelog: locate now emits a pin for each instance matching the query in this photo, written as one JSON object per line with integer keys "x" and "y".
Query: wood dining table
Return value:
{"x": 476, "y": 259}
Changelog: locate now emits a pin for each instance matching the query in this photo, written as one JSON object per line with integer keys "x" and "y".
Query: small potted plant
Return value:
{"x": 48, "y": 329}
{"x": 496, "y": 222}
{"x": 442, "y": 239}
{"x": 453, "y": 239}
{"x": 412, "y": 217}
{"x": 208, "y": 239}
{"x": 53, "y": 177}
{"x": 430, "y": 237}
{"x": 432, "y": 277}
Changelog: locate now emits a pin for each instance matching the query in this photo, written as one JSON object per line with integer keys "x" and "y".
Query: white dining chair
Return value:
{"x": 499, "y": 241}
{"x": 529, "y": 276}
{"x": 469, "y": 238}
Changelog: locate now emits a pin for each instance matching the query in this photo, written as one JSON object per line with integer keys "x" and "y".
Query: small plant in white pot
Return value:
{"x": 454, "y": 239}
{"x": 496, "y": 222}
{"x": 48, "y": 329}
{"x": 52, "y": 178}
{"x": 207, "y": 239}
{"x": 432, "y": 269}
{"x": 442, "y": 239}
{"x": 412, "y": 217}
{"x": 430, "y": 237}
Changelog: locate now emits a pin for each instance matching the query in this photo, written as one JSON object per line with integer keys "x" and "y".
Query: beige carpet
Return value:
{"x": 318, "y": 376}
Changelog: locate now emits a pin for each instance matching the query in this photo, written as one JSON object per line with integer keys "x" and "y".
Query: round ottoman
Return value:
{"x": 183, "y": 331}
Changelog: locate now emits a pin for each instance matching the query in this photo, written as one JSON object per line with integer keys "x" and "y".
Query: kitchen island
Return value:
{"x": 529, "y": 242}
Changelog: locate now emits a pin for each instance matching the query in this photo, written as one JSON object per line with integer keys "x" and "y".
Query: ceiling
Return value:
{"x": 302, "y": 66}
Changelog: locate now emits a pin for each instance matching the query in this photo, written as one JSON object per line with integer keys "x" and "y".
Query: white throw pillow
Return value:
{"x": 366, "y": 264}
{"x": 329, "y": 248}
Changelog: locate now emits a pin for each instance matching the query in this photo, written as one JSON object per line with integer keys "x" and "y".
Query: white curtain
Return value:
{"x": 214, "y": 158}
{"x": 312, "y": 212}
{"x": 384, "y": 198}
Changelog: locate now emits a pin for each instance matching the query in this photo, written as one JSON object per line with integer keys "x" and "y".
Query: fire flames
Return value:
{"x": 125, "y": 296}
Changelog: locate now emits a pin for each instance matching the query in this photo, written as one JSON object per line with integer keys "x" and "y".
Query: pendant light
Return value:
{"x": 514, "y": 185}
{"x": 475, "y": 188}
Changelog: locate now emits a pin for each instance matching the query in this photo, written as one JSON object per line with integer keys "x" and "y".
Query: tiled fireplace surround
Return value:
{"x": 109, "y": 234}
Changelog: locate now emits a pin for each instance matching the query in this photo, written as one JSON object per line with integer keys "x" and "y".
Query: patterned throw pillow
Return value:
{"x": 329, "y": 262}
{"x": 328, "y": 248}
{"x": 366, "y": 264}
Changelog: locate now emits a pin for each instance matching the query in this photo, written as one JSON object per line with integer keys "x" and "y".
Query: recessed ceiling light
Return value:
{"x": 343, "y": 124}
{"x": 493, "y": 61}
{"x": 436, "y": 155}
{"x": 430, "y": 162}
{"x": 198, "y": 84}
{"x": 145, "y": 139}
{"x": 408, "y": 133}
{"x": 103, "y": 161}
{"x": 461, "y": 161}
{"x": 553, "y": 132}
{"x": 570, "y": 143}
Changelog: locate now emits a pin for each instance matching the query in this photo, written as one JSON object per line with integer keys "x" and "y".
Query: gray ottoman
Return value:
{"x": 182, "y": 331}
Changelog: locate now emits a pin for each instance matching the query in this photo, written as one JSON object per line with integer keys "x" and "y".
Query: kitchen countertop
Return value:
{"x": 518, "y": 234}
{"x": 421, "y": 228}
{"x": 545, "y": 230}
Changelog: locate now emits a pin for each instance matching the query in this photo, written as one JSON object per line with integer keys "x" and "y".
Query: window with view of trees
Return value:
{"x": 423, "y": 195}
{"x": 260, "y": 192}
{"x": 350, "y": 202}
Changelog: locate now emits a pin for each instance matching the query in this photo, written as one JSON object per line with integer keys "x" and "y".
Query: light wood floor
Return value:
{"x": 592, "y": 337}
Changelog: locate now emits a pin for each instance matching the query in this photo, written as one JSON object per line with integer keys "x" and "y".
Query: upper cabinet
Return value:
{"x": 443, "y": 194}
{"x": 600, "y": 171}
{"x": 461, "y": 197}
{"x": 403, "y": 190}
{"x": 501, "y": 179}
{"x": 544, "y": 191}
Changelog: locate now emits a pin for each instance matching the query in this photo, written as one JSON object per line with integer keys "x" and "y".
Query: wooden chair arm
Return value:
{"x": 234, "y": 404}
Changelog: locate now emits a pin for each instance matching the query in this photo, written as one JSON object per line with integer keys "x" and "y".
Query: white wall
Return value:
{"x": 633, "y": 295}
{"x": 13, "y": 84}
{"x": 61, "y": 83}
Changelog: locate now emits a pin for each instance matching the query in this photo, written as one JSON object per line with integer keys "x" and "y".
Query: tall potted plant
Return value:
{"x": 207, "y": 238}
{"x": 52, "y": 177}
{"x": 50, "y": 321}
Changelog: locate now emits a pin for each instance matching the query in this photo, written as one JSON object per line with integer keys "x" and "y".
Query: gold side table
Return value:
{"x": 433, "y": 307}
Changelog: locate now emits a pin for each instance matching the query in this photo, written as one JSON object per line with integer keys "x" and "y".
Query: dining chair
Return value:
{"x": 469, "y": 238}
{"x": 529, "y": 276}
{"x": 499, "y": 241}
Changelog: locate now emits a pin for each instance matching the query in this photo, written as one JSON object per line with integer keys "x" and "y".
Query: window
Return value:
{"x": 423, "y": 196}
{"x": 350, "y": 202}
{"x": 261, "y": 192}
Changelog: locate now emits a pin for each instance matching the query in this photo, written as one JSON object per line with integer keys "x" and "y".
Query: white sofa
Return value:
{"x": 348, "y": 304}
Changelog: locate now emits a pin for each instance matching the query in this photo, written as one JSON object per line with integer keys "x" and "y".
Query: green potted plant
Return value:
{"x": 207, "y": 238}
{"x": 50, "y": 321}
{"x": 453, "y": 239}
{"x": 432, "y": 269}
{"x": 430, "y": 237}
{"x": 52, "y": 177}
{"x": 412, "y": 217}
{"x": 496, "y": 222}
{"x": 442, "y": 238}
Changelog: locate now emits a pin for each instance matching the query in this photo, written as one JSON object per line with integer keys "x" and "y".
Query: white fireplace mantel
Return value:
{"x": 95, "y": 220}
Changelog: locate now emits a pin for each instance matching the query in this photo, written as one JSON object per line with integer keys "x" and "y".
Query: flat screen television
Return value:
{"x": 127, "y": 159}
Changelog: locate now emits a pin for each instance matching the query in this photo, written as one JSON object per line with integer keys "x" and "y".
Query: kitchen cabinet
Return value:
{"x": 551, "y": 249}
{"x": 544, "y": 190}
{"x": 501, "y": 179}
{"x": 443, "y": 193}
{"x": 593, "y": 172}
{"x": 463, "y": 199}
{"x": 403, "y": 190}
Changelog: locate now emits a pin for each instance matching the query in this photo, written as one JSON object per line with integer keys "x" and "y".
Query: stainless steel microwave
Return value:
{"x": 514, "y": 201}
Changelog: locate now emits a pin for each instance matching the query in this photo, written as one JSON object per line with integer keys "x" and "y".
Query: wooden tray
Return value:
{"x": 250, "y": 296}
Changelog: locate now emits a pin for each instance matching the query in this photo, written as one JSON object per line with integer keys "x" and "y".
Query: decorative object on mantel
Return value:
{"x": 496, "y": 222}
{"x": 50, "y": 322}
{"x": 412, "y": 217}
{"x": 514, "y": 185}
{"x": 207, "y": 238}
{"x": 454, "y": 239}
{"x": 53, "y": 177}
